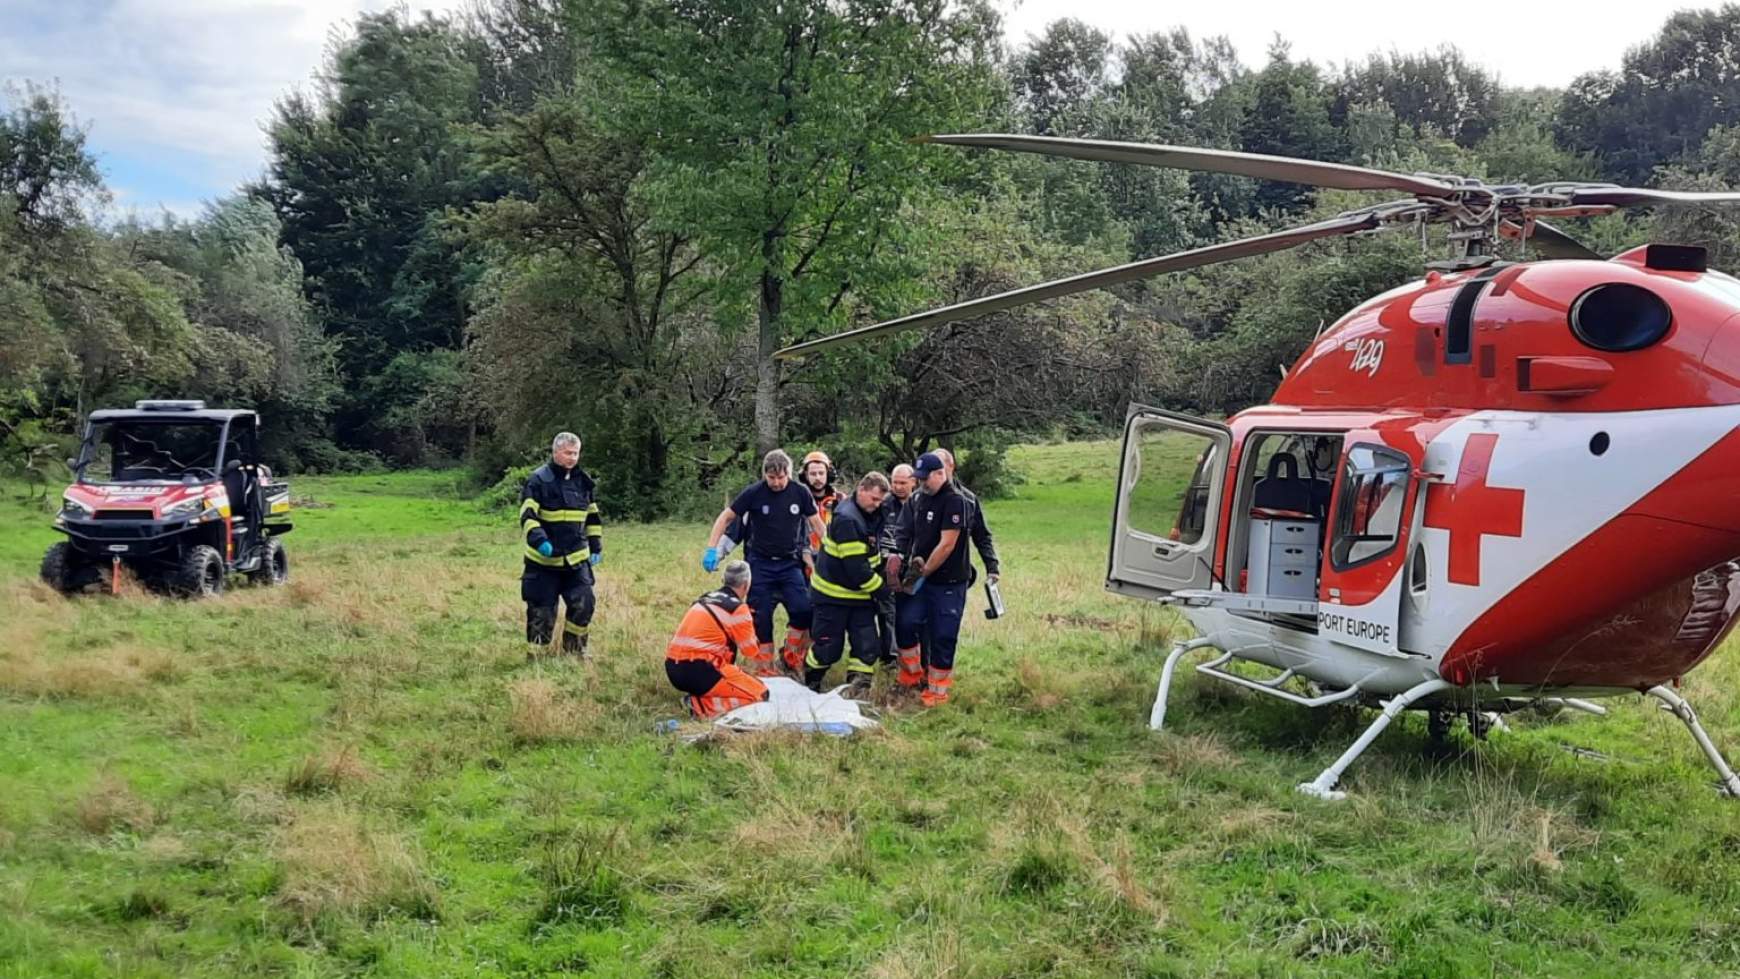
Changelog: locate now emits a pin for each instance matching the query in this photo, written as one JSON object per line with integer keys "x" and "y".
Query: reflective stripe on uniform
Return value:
{"x": 562, "y": 516}
{"x": 529, "y": 505}
{"x": 708, "y": 646}
{"x": 573, "y": 560}
{"x": 574, "y": 629}
{"x": 846, "y": 550}
{"x": 828, "y": 588}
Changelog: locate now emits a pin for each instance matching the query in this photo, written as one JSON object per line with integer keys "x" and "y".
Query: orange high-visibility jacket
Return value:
{"x": 700, "y": 636}
{"x": 825, "y": 507}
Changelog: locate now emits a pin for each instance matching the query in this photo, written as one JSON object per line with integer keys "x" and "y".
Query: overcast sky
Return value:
{"x": 174, "y": 91}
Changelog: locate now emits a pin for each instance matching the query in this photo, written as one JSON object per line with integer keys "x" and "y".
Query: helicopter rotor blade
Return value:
{"x": 1339, "y": 176}
{"x": 1346, "y": 224}
{"x": 1641, "y": 196}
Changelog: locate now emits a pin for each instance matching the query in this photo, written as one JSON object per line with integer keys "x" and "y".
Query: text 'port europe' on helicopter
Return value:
{"x": 1504, "y": 484}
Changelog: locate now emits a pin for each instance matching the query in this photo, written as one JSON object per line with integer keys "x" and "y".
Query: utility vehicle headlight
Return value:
{"x": 186, "y": 508}
{"x": 70, "y": 507}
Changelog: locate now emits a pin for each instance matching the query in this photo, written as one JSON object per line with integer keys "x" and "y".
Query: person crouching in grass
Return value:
{"x": 701, "y": 660}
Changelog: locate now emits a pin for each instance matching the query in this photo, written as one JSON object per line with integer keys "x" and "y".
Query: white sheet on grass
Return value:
{"x": 793, "y": 706}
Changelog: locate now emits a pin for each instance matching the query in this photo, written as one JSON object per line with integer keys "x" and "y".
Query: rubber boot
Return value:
{"x": 813, "y": 678}
{"x": 797, "y": 646}
{"x": 936, "y": 692}
{"x": 540, "y": 627}
{"x": 574, "y": 645}
{"x": 911, "y": 668}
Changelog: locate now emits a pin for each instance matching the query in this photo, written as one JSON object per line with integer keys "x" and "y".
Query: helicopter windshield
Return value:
{"x": 131, "y": 450}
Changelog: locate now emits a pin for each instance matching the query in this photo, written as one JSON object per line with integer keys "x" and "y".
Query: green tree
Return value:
{"x": 1289, "y": 116}
{"x": 45, "y": 170}
{"x": 1059, "y": 75}
{"x": 591, "y": 318}
{"x": 261, "y": 345}
{"x": 361, "y": 175}
{"x": 1432, "y": 93}
{"x": 1667, "y": 94}
{"x": 779, "y": 134}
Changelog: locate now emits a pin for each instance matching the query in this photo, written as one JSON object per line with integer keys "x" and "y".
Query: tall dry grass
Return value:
{"x": 335, "y": 863}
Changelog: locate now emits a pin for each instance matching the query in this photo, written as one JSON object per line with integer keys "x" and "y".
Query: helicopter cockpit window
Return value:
{"x": 1368, "y": 517}
{"x": 1170, "y": 497}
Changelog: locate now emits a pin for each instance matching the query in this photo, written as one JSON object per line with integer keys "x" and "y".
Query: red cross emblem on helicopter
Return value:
{"x": 1470, "y": 509}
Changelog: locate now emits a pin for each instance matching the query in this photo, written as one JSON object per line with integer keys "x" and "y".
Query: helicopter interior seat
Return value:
{"x": 1282, "y": 488}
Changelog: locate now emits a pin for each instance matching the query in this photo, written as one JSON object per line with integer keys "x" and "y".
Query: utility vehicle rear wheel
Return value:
{"x": 274, "y": 565}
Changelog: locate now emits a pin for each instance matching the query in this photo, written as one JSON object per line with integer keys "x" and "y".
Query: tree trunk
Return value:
{"x": 766, "y": 368}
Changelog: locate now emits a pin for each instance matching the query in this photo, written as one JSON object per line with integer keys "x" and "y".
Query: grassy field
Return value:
{"x": 358, "y": 774}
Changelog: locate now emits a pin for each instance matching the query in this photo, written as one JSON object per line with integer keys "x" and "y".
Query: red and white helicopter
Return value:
{"x": 1505, "y": 484}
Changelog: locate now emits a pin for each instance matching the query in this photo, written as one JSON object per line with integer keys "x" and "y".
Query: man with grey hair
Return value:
{"x": 564, "y": 541}
{"x": 701, "y": 659}
{"x": 779, "y": 511}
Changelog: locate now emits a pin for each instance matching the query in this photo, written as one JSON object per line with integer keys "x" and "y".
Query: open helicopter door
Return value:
{"x": 1374, "y": 512}
{"x": 1167, "y": 513}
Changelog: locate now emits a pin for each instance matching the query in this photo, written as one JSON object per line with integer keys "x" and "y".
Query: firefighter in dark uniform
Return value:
{"x": 563, "y": 543}
{"x": 845, "y": 587}
{"x": 779, "y": 511}
{"x": 940, "y": 575}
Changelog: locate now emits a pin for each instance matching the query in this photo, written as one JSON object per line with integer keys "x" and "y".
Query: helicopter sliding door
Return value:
{"x": 1170, "y": 487}
{"x": 1373, "y": 514}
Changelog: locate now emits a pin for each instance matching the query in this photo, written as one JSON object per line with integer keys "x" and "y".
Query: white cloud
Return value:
{"x": 194, "y": 78}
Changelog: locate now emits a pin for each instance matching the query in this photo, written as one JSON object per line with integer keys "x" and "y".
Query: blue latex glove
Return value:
{"x": 546, "y": 549}
{"x": 917, "y": 586}
{"x": 710, "y": 559}
{"x": 596, "y": 559}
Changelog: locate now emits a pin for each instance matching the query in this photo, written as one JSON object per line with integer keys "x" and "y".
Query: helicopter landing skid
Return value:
{"x": 1157, "y": 716}
{"x": 1676, "y": 705}
{"x": 1324, "y": 785}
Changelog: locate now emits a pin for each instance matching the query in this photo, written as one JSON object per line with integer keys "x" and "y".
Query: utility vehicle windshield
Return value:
{"x": 129, "y": 450}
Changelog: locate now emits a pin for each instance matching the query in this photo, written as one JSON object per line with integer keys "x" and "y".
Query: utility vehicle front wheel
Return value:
{"x": 64, "y": 571}
{"x": 200, "y": 573}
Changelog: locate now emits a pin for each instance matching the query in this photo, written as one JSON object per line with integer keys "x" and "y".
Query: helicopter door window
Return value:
{"x": 1171, "y": 482}
{"x": 1171, "y": 495}
{"x": 1368, "y": 519}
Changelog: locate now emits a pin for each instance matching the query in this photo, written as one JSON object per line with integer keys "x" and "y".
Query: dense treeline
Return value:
{"x": 605, "y": 215}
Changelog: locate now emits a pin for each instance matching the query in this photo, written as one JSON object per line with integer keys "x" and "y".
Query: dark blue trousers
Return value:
{"x": 932, "y": 617}
{"x": 777, "y": 581}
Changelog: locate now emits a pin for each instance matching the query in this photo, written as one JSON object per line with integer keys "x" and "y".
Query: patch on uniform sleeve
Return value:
{"x": 954, "y": 518}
